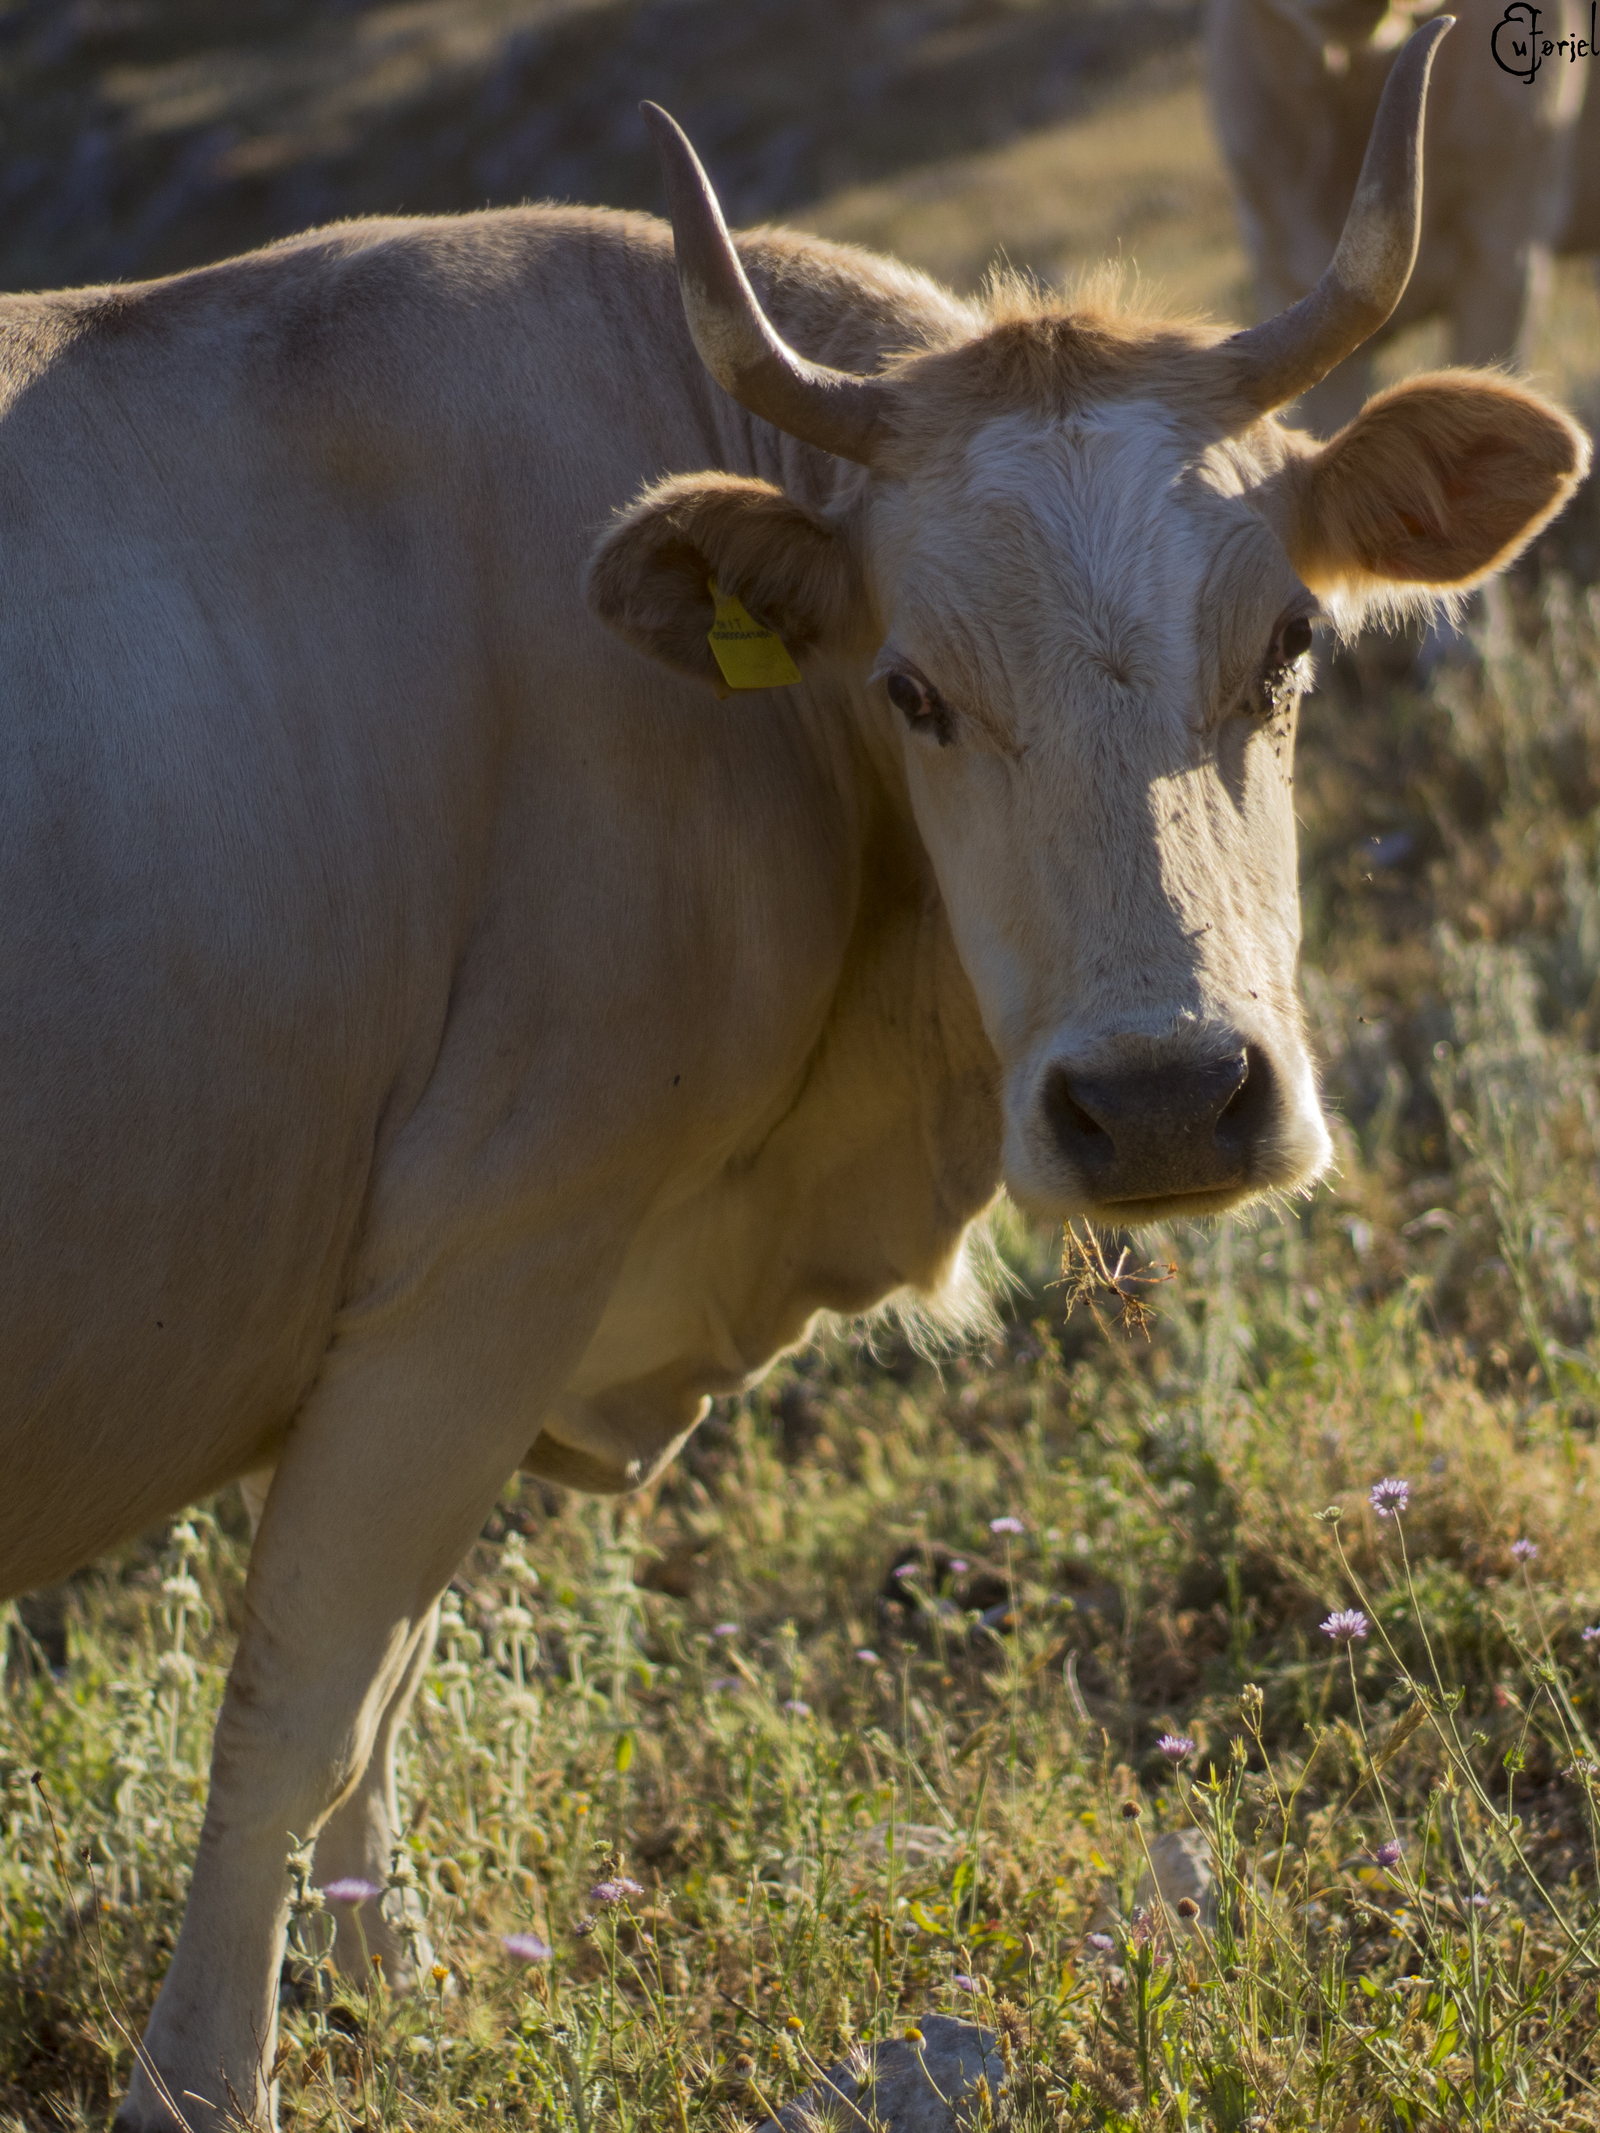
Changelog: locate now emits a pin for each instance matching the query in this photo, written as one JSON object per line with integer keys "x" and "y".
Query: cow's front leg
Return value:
{"x": 356, "y": 1843}
{"x": 359, "y": 1836}
{"x": 376, "y": 1498}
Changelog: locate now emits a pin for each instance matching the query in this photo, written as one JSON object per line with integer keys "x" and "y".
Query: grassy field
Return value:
{"x": 866, "y": 1696}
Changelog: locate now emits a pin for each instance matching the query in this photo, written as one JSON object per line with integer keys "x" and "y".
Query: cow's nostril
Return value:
{"x": 1073, "y": 1114}
{"x": 1078, "y": 1133}
{"x": 1247, "y": 1112}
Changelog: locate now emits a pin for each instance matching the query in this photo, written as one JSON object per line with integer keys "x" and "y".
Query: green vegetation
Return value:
{"x": 851, "y": 1792}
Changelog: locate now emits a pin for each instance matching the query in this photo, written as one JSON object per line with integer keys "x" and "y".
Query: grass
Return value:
{"x": 853, "y": 1792}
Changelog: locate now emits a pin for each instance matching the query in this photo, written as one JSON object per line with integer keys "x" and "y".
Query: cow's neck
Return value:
{"x": 863, "y": 1179}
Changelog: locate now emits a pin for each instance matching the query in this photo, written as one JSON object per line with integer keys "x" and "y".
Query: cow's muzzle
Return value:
{"x": 1164, "y": 1132}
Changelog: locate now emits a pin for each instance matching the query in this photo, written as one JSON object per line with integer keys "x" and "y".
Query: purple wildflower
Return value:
{"x": 1344, "y": 1624}
{"x": 866, "y": 1655}
{"x": 1007, "y": 1525}
{"x": 905, "y": 1570}
{"x": 1390, "y": 1497}
{"x": 725, "y": 1629}
{"x": 351, "y": 1890}
{"x": 1590, "y": 1636}
{"x": 959, "y": 1566}
{"x": 1176, "y": 1747}
{"x": 618, "y": 1890}
{"x": 796, "y": 1708}
{"x": 963, "y": 1983}
{"x": 526, "y": 1947}
{"x": 1524, "y": 1551}
{"x": 1102, "y": 1943}
{"x": 1389, "y": 1853}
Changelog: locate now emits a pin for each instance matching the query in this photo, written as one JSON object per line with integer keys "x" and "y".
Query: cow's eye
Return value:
{"x": 1292, "y": 642}
{"x": 918, "y": 705}
{"x": 910, "y": 698}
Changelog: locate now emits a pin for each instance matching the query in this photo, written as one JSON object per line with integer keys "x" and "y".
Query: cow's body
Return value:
{"x": 435, "y": 1039}
{"x": 400, "y": 976}
{"x": 1293, "y": 86}
{"x": 321, "y": 784}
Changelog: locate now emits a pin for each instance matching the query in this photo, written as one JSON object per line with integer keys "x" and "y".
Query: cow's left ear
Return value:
{"x": 1436, "y": 483}
{"x": 793, "y": 571}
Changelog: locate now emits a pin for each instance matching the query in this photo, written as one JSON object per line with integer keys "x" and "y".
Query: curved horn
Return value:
{"x": 828, "y": 408}
{"x": 1367, "y": 276}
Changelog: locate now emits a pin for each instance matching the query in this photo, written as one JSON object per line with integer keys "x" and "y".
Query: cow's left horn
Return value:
{"x": 1367, "y": 276}
{"x": 829, "y": 408}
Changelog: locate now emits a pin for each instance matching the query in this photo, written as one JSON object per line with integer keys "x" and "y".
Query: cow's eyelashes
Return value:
{"x": 922, "y": 708}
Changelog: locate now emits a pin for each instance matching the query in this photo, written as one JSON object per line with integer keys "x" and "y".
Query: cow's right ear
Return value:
{"x": 794, "y": 572}
{"x": 1435, "y": 484}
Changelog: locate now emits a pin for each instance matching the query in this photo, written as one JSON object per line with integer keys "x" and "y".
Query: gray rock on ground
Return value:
{"x": 916, "y": 1844}
{"x": 896, "y": 2087}
{"x": 1183, "y": 1867}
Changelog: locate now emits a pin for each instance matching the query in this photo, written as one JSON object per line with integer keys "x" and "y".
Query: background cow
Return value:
{"x": 1293, "y": 85}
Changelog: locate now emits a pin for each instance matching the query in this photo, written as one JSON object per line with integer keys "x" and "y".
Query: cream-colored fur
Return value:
{"x": 435, "y": 1038}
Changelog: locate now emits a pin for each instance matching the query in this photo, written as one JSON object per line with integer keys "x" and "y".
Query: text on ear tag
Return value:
{"x": 749, "y": 655}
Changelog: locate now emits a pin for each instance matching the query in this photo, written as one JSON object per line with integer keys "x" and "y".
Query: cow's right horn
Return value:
{"x": 829, "y": 408}
{"x": 1367, "y": 276}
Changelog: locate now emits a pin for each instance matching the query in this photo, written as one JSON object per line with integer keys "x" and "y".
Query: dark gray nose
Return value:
{"x": 1164, "y": 1130}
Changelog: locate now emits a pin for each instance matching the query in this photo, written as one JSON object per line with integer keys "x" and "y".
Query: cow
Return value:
{"x": 1293, "y": 86}
{"x": 454, "y": 1021}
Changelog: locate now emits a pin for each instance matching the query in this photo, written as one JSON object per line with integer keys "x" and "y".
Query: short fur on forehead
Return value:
{"x": 1034, "y": 359}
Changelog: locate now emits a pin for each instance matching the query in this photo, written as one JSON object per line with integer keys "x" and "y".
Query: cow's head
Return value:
{"x": 1076, "y": 585}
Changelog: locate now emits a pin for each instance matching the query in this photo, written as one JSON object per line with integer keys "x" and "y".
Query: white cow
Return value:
{"x": 1293, "y": 85}
{"x": 444, "y": 1031}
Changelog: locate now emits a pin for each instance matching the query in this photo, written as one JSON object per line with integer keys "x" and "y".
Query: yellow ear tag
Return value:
{"x": 749, "y": 655}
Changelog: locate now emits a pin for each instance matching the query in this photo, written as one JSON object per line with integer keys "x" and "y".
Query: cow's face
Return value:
{"x": 1085, "y": 634}
{"x": 1074, "y": 587}
{"x": 1093, "y": 646}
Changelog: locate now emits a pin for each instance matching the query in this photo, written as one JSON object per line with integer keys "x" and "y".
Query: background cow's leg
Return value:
{"x": 359, "y": 1835}
{"x": 1497, "y": 305}
{"x": 374, "y": 1501}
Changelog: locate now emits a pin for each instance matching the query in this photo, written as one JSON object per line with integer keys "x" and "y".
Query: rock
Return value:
{"x": 916, "y": 1844}
{"x": 900, "y": 2087}
{"x": 1183, "y": 1867}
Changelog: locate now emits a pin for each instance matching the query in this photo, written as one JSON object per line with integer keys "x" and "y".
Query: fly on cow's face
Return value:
{"x": 922, "y": 708}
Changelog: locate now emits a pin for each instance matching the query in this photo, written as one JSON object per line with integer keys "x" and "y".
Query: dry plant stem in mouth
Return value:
{"x": 1086, "y": 1277}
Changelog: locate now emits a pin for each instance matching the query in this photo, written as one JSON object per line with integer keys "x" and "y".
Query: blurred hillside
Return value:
{"x": 142, "y": 136}
{"x": 138, "y": 137}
